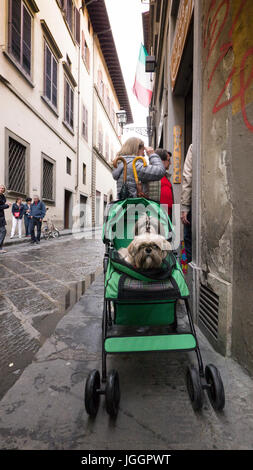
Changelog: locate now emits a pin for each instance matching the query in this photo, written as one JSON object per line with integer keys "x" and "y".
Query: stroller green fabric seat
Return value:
{"x": 123, "y": 282}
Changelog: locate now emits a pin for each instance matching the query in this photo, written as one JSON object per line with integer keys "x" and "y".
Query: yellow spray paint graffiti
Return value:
{"x": 177, "y": 154}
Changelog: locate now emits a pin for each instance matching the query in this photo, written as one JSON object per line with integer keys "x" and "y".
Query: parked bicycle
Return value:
{"x": 50, "y": 230}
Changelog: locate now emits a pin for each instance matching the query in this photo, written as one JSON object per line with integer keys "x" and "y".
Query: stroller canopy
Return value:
{"x": 121, "y": 217}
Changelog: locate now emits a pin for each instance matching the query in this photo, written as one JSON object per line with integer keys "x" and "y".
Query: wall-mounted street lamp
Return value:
{"x": 150, "y": 63}
{"x": 122, "y": 118}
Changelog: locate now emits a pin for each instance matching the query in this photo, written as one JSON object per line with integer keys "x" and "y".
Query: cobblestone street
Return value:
{"x": 37, "y": 286}
{"x": 45, "y": 407}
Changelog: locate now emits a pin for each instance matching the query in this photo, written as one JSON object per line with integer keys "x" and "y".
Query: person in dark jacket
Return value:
{"x": 3, "y": 207}
{"x": 17, "y": 215}
{"x": 27, "y": 217}
{"x": 37, "y": 213}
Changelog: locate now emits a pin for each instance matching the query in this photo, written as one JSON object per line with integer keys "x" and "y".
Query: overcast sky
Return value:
{"x": 126, "y": 22}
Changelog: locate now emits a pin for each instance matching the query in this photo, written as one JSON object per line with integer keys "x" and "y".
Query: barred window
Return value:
{"x": 16, "y": 167}
{"x": 48, "y": 180}
{"x": 20, "y": 36}
{"x": 50, "y": 76}
{"x": 69, "y": 104}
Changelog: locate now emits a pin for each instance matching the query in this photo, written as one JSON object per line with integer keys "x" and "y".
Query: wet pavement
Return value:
{"x": 38, "y": 285}
{"x": 45, "y": 407}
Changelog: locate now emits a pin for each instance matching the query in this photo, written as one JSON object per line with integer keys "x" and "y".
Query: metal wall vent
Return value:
{"x": 209, "y": 310}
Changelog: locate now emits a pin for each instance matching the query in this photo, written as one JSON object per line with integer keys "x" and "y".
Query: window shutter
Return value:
{"x": 66, "y": 101}
{"x": 54, "y": 82}
{"x": 27, "y": 23}
{"x": 77, "y": 26}
{"x": 86, "y": 127}
{"x": 48, "y": 73}
{"x": 71, "y": 108}
{"x": 15, "y": 33}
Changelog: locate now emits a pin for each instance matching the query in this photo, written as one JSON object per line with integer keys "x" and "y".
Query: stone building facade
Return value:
{"x": 50, "y": 54}
{"x": 203, "y": 93}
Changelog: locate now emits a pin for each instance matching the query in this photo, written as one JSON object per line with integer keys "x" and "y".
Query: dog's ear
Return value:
{"x": 132, "y": 248}
{"x": 166, "y": 247}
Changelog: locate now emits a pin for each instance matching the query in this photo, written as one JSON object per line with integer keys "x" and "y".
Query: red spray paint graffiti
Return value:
{"x": 217, "y": 17}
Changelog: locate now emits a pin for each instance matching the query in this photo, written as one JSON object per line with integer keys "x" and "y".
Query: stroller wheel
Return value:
{"x": 194, "y": 388}
{"x": 91, "y": 396}
{"x": 112, "y": 393}
{"x": 215, "y": 392}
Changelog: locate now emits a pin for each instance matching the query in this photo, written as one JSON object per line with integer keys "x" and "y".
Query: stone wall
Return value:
{"x": 227, "y": 142}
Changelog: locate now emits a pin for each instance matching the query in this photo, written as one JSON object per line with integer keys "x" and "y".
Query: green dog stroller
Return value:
{"x": 136, "y": 302}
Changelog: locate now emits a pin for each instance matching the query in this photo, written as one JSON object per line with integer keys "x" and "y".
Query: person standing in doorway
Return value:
{"x": 162, "y": 191}
{"x": 186, "y": 201}
{"x": 17, "y": 215}
{"x": 27, "y": 216}
{"x": 37, "y": 213}
{"x": 3, "y": 207}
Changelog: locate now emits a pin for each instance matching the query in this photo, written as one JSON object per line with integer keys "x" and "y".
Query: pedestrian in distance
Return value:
{"x": 17, "y": 216}
{"x": 132, "y": 148}
{"x": 37, "y": 213}
{"x": 162, "y": 191}
{"x": 27, "y": 216}
{"x": 3, "y": 207}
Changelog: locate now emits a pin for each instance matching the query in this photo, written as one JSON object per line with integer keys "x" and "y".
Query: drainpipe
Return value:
{"x": 78, "y": 112}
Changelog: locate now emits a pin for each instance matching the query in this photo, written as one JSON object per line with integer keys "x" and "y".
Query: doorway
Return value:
{"x": 67, "y": 208}
{"x": 83, "y": 211}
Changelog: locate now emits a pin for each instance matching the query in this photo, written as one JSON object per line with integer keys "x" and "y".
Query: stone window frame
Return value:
{"x": 9, "y": 133}
{"x": 51, "y": 160}
{"x": 31, "y": 7}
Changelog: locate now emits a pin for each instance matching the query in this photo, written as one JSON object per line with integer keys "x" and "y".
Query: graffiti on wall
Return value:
{"x": 177, "y": 154}
{"x": 238, "y": 88}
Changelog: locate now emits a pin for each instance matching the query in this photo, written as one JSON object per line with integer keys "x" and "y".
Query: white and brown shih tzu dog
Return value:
{"x": 146, "y": 251}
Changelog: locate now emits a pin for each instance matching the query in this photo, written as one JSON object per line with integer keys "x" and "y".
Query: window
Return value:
{"x": 98, "y": 198}
{"x": 85, "y": 52}
{"x": 84, "y": 173}
{"x": 113, "y": 114}
{"x": 100, "y": 139}
{"x": 68, "y": 166}
{"x": 107, "y": 99}
{"x": 85, "y": 123}
{"x": 107, "y": 147}
{"x": 16, "y": 167}
{"x": 112, "y": 154}
{"x": 68, "y": 104}
{"x": 100, "y": 84}
{"x": 72, "y": 16}
{"x": 47, "y": 179}
{"x": 50, "y": 76}
{"x": 20, "y": 34}
{"x": 69, "y": 13}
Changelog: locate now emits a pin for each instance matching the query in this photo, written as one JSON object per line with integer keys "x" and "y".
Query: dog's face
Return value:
{"x": 148, "y": 250}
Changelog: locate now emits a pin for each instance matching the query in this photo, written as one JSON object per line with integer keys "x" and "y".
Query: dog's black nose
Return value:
{"x": 148, "y": 250}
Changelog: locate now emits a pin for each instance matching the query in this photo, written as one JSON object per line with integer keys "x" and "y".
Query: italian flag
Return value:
{"x": 142, "y": 86}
